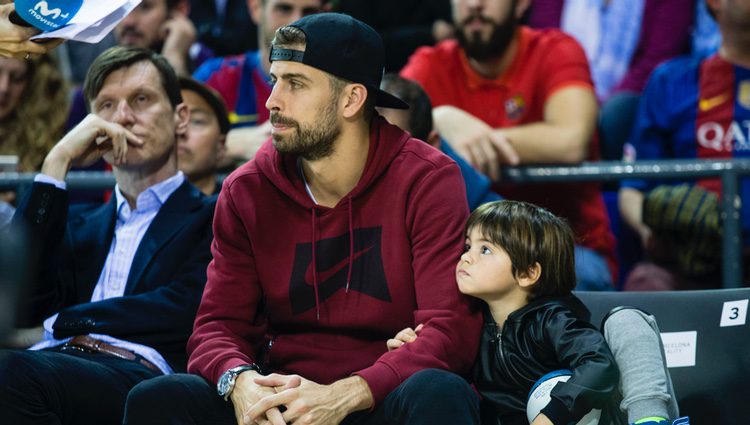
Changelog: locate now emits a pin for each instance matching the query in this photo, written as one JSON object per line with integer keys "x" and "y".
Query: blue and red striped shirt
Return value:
{"x": 242, "y": 83}
{"x": 695, "y": 109}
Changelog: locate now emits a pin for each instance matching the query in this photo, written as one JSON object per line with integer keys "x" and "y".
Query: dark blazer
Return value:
{"x": 166, "y": 278}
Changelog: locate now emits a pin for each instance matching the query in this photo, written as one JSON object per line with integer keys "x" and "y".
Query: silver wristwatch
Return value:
{"x": 226, "y": 382}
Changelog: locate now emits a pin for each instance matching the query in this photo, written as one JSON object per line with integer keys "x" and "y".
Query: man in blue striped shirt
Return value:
{"x": 117, "y": 285}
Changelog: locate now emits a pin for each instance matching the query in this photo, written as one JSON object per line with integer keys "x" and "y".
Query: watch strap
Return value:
{"x": 231, "y": 375}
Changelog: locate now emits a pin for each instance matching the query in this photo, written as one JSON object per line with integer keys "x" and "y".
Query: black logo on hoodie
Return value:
{"x": 333, "y": 257}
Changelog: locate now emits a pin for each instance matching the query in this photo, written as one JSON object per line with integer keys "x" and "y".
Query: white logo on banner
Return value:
{"x": 679, "y": 348}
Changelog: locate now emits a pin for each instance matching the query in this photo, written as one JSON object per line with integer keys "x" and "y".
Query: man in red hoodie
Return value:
{"x": 337, "y": 235}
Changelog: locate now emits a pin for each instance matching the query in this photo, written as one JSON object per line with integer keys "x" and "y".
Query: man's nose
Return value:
{"x": 475, "y": 6}
{"x": 124, "y": 114}
{"x": 273, "y": 101}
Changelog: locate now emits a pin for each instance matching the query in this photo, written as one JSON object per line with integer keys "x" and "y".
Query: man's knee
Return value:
{"x": 176, "y": 399}
{"x": 435, "y": 396}
{"x": 21, "y": 376}
{"x": 592, "y": 271}
{"x": 161, "y": 394}
{"x": 438, "y": 386}
{"x": 18, "y": 367}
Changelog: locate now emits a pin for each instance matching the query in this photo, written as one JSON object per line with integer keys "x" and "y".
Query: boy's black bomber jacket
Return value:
{"x": 547, "y": 334}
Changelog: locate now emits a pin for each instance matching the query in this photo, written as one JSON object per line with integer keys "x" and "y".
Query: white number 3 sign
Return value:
{"x": 734, "y": 313}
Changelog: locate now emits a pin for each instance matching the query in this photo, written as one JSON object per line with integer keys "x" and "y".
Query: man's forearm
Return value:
{"x": 564, "y": 134}
{"x": 354, "y": 393}
{"x": 630, "y": 203}
{"x": 547, "y": 143}
{"x": 56, "y": 165}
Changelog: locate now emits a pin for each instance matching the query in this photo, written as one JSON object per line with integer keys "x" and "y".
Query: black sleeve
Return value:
{"x": 41, "y": 216}
{"x": 582, "y": 349}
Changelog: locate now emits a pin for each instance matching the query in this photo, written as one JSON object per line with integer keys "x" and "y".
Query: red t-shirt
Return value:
{"x": 546, "y": 60}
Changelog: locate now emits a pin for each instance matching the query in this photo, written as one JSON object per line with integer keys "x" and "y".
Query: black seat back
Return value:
{"x": 712, "y": 391}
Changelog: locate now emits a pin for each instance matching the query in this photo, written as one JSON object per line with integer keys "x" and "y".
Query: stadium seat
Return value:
{"x": 707, "y": 342}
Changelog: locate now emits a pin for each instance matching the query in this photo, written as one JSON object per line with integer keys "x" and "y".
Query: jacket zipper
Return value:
{"x": 267, "y": 357}
{"x": 503, "y": 361}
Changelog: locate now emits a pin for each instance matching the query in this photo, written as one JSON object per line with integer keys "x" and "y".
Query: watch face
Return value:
{"x": 224, "y": 384}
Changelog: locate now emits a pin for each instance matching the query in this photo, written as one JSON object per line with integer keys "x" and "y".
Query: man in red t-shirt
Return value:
{"x": 506, "y": 94}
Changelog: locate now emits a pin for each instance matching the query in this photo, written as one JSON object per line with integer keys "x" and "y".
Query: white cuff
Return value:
{"x": 43, "y": 178}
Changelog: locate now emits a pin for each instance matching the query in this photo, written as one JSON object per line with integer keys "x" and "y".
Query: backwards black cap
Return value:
{"x": 345, "y": 47}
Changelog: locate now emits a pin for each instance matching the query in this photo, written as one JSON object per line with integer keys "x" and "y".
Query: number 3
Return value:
{"x": 735, "y": 313}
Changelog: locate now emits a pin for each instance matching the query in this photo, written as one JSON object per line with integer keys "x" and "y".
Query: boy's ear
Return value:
{"x": 531, "y": 276}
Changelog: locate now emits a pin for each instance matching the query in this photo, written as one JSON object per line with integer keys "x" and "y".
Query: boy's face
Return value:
{"x": 485, "y": 270}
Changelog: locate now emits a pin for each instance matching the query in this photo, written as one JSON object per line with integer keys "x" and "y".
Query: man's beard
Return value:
{"x": 308, "y": 142}
{"x": 494, "y": 48}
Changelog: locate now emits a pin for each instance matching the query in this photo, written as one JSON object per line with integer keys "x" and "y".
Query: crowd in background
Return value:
{"x": 319, "y": 282}
{"x": 636, "y": 110}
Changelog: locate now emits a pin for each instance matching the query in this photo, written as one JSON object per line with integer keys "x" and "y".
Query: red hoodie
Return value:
{"x": 384, "y": 259}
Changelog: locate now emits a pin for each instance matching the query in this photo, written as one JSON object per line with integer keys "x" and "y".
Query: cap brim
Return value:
{"x": 387, "y": 100}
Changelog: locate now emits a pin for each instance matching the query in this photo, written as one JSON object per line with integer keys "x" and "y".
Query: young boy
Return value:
{"x": 519, "y": 260}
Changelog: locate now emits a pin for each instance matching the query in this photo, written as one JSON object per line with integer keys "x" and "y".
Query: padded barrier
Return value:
{"x": 707, "y": 345}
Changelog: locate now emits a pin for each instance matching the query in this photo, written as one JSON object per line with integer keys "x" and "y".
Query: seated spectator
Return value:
{"x": 115, "y": 292}
{"x": 519, "y": 261}
{"x": 417, "y": 120}
{"x": 624, "y": 41}
{"x": 33, "y": 108}
{"x": 224, "y": 26}
{"x": 243, "y": 80}
{"x": 162, "y": 26}
{"x": 404, "y": 25}
{"x": 691, "y": 108}
{"x": 201, "y": 148}
{"x": 505, "y": 94}
{"x": 369, "y": 223}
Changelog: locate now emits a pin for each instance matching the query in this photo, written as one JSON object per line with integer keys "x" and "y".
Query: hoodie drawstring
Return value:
{"x": 351, "y": 246}
{"x": 314, "y": 255}
{"x": 314, "y": 264}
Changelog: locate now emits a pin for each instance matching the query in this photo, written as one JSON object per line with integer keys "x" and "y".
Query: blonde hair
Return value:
{"x": 38, "y": 121}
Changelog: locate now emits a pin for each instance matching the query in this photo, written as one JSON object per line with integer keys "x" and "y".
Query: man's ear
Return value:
{"x": 182, "y": 118}
{"x": 433, "y": 139}
{"x": 354, "y": 100}
{"x": 530, "y": 277}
